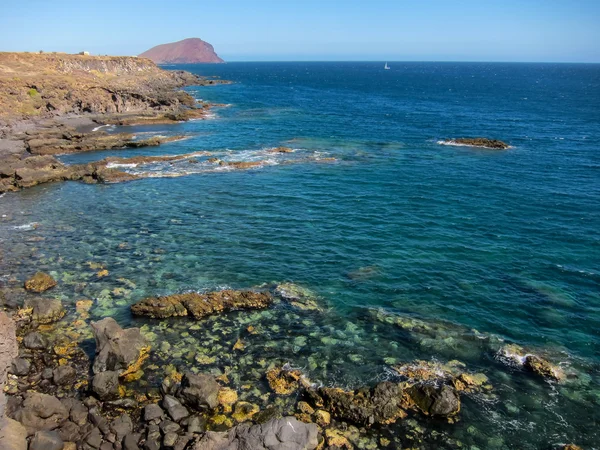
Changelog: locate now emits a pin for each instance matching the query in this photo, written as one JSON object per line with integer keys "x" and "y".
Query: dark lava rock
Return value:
{"x": 46, "y": 440}
{"x": 269, "y": 413}
{"x": 20, "y": 367}
{"x": 480, "y": 142}
{"x": 78, "y": 413}
{"x": 45, "y": 310}
{"x": 106, "y": 385}
{"x": 69, "y": 431}
{"x": 41, "y": 412}
{"x": 94, "y": 439}
{"x": 40, "y": 282}
{"x": 200, "y": 391}
{"x": 121, "y": 426}
{"x": 435, "y": 400}
{"x": 131, "y": 442}
{"x": 196, "y": 424}
{"x": 166, "y": 426}
{"x": 175, "y": 409}
{"x": 64, "y": 374}
{"x": 182, "y": 441}
{"x": 286, "y": 433}
{"x": 152, "y": 438}
{"x": 170, "y": 439}
{"x": 117, "y": 349}
{"x": 35, "y": 341}
{"x": 47, "y": 373}
{"x": 365, "y": 406}
{"x": 99, "y": 420}
{"x": 152, "y": 411}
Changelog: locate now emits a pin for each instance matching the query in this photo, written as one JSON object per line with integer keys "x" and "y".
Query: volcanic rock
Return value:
{"x": 201, "y": 305}
{"x": 40, "y": 282}
{"x": 118, "y": 349}
{"x": 45, "y": 310}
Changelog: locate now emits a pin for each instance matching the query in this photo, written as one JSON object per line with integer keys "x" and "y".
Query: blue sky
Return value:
{"x": 245, "y": 30}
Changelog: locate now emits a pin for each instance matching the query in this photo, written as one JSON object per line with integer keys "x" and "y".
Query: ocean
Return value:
{"x": 414, "y": 250}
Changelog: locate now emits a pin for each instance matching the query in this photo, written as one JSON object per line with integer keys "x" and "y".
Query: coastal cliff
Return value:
{"x": 43, "y": 85}
{"x": 187, "y": 51}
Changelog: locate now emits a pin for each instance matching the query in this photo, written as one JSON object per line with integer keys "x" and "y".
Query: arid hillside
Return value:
{"x": 45, "y": 85}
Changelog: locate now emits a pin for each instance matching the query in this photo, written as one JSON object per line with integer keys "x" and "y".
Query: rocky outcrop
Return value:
{"x": 45, "y": 310}
{"x": 364, "y": 407}
{"x": 286, "y": 433}
{"x": 477, "y": 142}
{"x": 200, "y": 391}
{"x": 118, "y": 349}
{"x": 187, "y": 51}
{"x": 12, "y": 433}
{"x": 41, "y": 412}
{"x": 435, "y": 400}
{"x": 201, "y": 305}
{"x": 514, "y": 355}
{"x": 40, "y": 282}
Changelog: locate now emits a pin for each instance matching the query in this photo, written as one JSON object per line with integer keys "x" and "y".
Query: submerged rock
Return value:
{"x": 118, "y": 349}
{"x": 201, "y": 305}
{"x": 285, "y": 380}
{"x": 366, "y": 406}
{"x": 286, "y": 433}
{"x": 40, "y": 282}
{"x": 297, "y": 296}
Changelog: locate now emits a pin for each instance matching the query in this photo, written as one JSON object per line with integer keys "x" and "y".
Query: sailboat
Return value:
{"x": 386, "y": 67}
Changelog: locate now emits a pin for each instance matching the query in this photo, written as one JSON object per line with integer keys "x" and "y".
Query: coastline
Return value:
{"x": 336, "y": 417}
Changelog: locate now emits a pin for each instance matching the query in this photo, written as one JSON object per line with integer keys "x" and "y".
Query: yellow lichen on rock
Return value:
{"x": 244, "y": 411}
{"x": 102, "y": 273}
{"x": 227, "y": 396}
{"x": 335, "y": 438}
{"x": 239, "y": 345}
{"x": 143, "y": 355}
{"x": 284, "y": 382}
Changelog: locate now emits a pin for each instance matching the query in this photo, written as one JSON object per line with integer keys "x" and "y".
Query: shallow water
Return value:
{"x": 504, "y": 242}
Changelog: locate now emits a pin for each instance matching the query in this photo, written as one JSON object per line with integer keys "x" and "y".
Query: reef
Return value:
{"x": 477, "y": 142}
{"x": 201, "y": 305}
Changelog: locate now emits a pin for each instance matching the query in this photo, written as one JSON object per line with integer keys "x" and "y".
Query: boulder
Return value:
{"x": 45, "y": 310}
{"x": 366, "y": 406}
{"x": 175, "y": 409}
{"x": 78, "y": 412}
{"x": 435, "y": 400}
{"x": 121, "y": 426}
{"x": 13, "y": 435}
{"x": 69, "y": 431}
{"x": 40, "y": 282}
{"x": 20, "y": 367}
{"x": 201, "y": 305}
{"x": 64, "y": 374}
{"x": 152, "y": 411}
{"x": 41, "y": 412}
{"x": 118, "y": 349}
{"x": 35, "y": 341}
{"x": 46, "y": 440}
{"x": 130, "y": 442}
{"x": 286, "y": 433}
{"x": 200, "y": 391}
{"x": 106, "y": 385}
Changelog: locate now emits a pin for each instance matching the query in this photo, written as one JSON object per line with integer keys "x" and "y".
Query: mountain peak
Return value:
{"x": 187, "y": 51}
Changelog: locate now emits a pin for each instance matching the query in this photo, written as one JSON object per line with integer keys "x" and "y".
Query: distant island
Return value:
{"x": 188, "y": 51}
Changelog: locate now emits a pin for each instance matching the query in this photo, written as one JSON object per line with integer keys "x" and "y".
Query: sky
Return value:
{"x": 325, "y": 30}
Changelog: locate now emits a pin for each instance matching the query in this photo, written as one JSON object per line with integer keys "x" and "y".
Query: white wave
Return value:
{"x": 453, "y": 143}
{"x": 27, "y": 226}
{"x": 114, "y": 165}
{"x": 100, "y": 127}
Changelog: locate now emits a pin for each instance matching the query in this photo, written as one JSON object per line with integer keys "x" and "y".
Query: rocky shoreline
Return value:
{"x": 61, "y": 106}
{"x": 82, "y": 385}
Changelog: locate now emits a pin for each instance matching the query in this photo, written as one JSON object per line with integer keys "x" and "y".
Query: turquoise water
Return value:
{"x": 504, "y": 242}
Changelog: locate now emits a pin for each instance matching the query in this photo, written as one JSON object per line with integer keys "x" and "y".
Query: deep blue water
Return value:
{"x": 504, "y": 242}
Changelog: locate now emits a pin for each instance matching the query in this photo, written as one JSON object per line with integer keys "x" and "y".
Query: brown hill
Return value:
{"x": 188, "y": 51}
